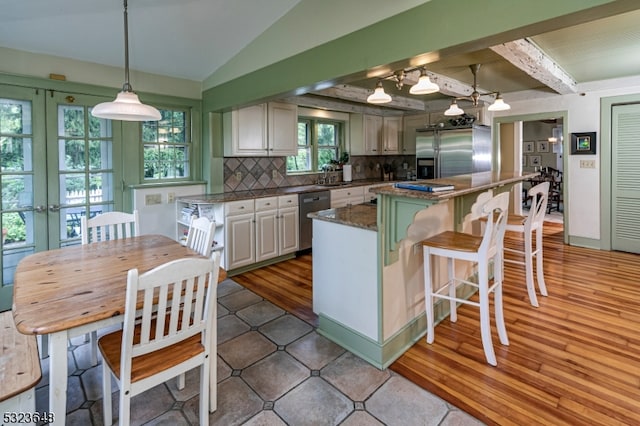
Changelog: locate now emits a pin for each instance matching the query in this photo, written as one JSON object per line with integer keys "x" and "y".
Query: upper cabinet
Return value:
{"x": 375, "y": 135}
{"x": 261, "y": 131}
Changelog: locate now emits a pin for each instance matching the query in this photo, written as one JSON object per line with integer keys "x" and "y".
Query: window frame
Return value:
{"x": 189, "y": 147}
{"x": 313, "y": 117}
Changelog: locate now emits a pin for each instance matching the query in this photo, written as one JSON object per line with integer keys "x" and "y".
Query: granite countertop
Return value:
{"x": 463, "y": 184}
{"x": 363, "y": 216}
{"x": 273, "y": 192}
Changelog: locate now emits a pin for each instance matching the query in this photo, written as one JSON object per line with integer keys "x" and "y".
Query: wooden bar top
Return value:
{"x": 463, "y": 184}
{"x": 63, "y": 288}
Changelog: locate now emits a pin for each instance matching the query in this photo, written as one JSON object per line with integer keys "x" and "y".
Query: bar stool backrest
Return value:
{"x": 496, "y": 211}
{"x": 539, "y": 196}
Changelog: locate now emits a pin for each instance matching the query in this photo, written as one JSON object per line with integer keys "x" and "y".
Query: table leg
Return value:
{"x": 58, "y": 376}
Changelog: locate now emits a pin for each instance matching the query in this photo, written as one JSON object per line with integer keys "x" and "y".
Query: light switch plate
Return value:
{"x": 587, "y": 164}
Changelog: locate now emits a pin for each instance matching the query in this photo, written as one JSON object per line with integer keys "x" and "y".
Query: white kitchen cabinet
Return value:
{"x": 392, "y": 131}
{"x": 266, "y": 228}
{"x": 375, "y": 135}
{"x": 288, "y": 224}
{"x": 347, "y": 196}
{"x": 370, "y": 196}
{"x": 283, "y": 129}
{"x": 410, "y": 124}
{"x": 240, "y": 234}
{"x": 260, "y": 229}
{"x": 261, "y": 130}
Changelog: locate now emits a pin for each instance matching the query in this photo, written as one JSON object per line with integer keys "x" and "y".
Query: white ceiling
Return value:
{"x": 193, "y": 38}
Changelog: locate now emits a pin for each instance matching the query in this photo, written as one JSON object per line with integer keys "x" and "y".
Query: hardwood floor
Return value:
{"x": 575, "y": 360}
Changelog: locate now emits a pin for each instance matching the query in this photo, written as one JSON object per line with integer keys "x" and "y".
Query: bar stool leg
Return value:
{"x": 453, "y": 312}
{"x": 498, "y": 271}
{"x": 428, "y": 291}
{"x": 485, "y": 321}
{"x": 528, "y": 266}
{"x": 539, "y": 269}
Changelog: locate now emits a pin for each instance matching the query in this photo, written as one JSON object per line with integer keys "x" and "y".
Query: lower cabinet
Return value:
{"x": 260, "y": 229}
{"x": 347, "y": 196}
{"x": 240, "y": 240}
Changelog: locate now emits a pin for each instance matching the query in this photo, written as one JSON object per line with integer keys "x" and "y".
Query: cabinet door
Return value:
{"x": 288, "y": 230}
{"x": 283, "y": 129}
{"x": 410, "y": 125}
{"x": 392, "y": 130}
{"x": 250, "y": 131}
{"x": 239, "y": 240}
{"x": 266, "y": 235}
{"x": 372, "y": 134}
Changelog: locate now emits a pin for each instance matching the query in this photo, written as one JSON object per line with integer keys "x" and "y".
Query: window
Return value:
{"x": 167, "y": 146}
{"x": 319, "y": 142}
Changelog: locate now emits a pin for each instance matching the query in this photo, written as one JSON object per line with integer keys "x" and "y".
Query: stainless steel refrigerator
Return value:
{"x": 443, "y": 152}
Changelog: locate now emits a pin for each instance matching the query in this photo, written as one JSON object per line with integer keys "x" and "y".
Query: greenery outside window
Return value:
{"x": 167, "y": 146}
{"x": 319, "y": 142}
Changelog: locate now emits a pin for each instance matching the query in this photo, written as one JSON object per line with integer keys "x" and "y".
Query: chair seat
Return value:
{"x": 451, "y": 240}
{"x": 149, "y": 364}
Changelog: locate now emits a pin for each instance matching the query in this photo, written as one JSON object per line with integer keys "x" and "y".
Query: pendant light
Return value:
{"x": 499, "y": 104}
{"x": 454, "y": 109}
{"x": 379, "y": 96}
{"x": 126, "y": 106}
{"x": 424, "y": 86}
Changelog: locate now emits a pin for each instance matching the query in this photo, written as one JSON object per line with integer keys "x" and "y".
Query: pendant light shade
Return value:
{"x": 499, "y": 104}
{"x": 424, "y": 85}
{"x": 379, "y": 96}
{"x": 454, "y": 109}
{"x": 126, "y": 106}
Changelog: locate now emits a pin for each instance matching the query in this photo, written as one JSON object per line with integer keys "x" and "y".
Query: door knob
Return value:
{"x": 40, "y": 209}
{"x": 54, "y": 208}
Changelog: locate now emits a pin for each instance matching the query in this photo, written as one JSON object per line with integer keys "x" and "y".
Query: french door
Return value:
{"x": 57, "y": 165}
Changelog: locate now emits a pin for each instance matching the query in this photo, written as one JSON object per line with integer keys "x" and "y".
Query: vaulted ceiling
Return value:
{"x": 216, "y": 30}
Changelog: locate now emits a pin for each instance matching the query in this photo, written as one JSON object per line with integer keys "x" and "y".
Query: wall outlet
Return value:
{"x": 274, "y": 174}
{"x": 171, "y": 197}
{"x": 239, "y": 175}
{"x": 358, "y": 168}
{"x": 151, "y": 199}
{"x": 587, "y": 164}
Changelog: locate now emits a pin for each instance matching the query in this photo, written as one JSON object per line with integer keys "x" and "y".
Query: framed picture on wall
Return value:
{"x": 583, "y": 143}
{"x": 528, "y": 147}
{"x": 543, "y": 146}
{"x": 534, "y": 161}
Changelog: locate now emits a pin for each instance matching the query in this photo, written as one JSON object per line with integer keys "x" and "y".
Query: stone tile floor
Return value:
{"x": 273, "y": 369}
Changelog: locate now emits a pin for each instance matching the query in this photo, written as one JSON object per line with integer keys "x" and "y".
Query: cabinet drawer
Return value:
{"x": 269, "y": 203}
{"x": 287, "y": 200}
{"x": 356, "y": 191}
{"x": 238, "y": 207}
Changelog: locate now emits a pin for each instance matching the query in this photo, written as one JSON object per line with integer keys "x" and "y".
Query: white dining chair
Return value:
{"x": 480, "y": 250}
{"x": 170, "y": 338}
{"x": 200, "y": 235}
{"x": 103, "y": 227}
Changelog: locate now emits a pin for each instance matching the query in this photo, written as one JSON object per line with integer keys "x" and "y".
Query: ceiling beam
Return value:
{"x": 528, "y": 57}
{"x": 360, "y": 94}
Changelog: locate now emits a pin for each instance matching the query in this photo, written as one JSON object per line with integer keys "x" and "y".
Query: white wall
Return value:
{"x": 161, "y": 218}
{"x": 583, "y": 198}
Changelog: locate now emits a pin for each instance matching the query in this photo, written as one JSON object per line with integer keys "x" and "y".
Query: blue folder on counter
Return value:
{"x": 425, "y": 187}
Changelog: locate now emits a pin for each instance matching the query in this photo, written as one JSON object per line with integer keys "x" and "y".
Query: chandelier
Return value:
{"x": 498, "y": 104}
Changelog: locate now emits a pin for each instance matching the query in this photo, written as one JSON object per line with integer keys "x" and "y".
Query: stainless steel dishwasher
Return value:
{"x": 309, "y": 202}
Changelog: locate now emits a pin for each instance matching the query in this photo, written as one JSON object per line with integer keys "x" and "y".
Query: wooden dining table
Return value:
{"x": 74, "y": 290}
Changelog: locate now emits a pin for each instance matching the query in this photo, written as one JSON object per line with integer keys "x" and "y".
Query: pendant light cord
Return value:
{"x": 126, "y": 87}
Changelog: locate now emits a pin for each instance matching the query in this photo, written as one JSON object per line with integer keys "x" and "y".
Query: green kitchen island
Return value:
{"x": 368, "y": 283}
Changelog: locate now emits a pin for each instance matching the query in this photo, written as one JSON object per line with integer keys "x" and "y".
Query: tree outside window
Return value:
{"x": 167, "y": 146}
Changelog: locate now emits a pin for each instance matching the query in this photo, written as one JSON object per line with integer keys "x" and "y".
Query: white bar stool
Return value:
{"x": 462, "y": 246}
{"x": 527, "y": 225}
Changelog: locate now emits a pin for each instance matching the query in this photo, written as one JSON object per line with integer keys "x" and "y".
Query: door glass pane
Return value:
{"x": 16, "y": 180}
{"x": 85, "y": 150}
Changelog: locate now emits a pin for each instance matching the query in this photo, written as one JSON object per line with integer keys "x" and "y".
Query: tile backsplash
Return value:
{"x": 247, "y": 173}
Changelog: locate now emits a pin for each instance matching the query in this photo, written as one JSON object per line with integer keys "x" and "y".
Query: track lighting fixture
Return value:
{"x": 424, "y": 86}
